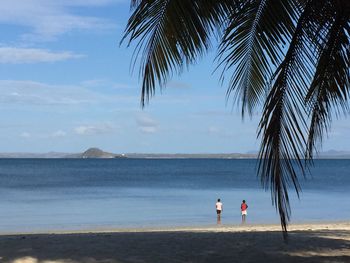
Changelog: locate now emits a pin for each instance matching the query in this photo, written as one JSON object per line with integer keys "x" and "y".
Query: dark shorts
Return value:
{"x": 218, "y": 212}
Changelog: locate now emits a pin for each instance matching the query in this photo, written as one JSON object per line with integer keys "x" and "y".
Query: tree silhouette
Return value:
{"x": 289, "y": 57}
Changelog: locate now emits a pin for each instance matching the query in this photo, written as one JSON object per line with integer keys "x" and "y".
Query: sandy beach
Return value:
{"x": 249, "y": 243}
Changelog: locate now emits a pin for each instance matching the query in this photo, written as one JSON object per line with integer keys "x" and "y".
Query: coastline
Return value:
{"x": 312, "y": 226}
{"x": 311, "y": 242}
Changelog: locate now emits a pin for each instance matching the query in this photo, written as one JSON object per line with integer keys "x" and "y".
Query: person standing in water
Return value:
{"x": 219, "y": 209}
{"x": 244, "y": 208}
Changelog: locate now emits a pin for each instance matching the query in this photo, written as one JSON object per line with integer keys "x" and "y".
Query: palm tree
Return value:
{"x": 289, "y": 58}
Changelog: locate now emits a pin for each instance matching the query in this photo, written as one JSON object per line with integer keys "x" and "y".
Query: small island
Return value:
{"x": 96, "y": 153}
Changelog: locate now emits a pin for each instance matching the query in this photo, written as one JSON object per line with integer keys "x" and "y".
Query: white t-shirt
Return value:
{"x": 218, "y": 206}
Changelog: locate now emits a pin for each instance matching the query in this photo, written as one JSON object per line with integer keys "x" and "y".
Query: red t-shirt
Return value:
{"x": 244, "y": 206}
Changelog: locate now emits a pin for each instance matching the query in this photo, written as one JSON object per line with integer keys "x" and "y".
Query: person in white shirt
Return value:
{"x": 219, "y": 209}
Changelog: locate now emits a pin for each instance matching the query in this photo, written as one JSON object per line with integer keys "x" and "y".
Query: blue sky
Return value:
{"x": 66, "y": 85}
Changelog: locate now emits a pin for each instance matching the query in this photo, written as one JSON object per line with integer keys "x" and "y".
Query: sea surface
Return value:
{"x": 80, "y": 194}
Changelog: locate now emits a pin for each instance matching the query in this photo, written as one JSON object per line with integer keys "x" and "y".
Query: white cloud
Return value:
{"x": 25, "y": 135}
{"x": 49, "y": 18}
{"x": 221, "y": 132}
{"x": 58, "y": 134}
{"x": 98, "y": 83}
{"x": 87, "y": 3}
{"x": 94, "y": 129}
{"x": 178, "y": 85}
{"x": 14, "y": 55}
{"x": 38, "y": 93}
{"x": 148, "y": 129}
{"x": 213, "y": 113}
{"x": 144, "y": 120}
{"x": 146, "y": 124}
{"x": 213, "y": 129}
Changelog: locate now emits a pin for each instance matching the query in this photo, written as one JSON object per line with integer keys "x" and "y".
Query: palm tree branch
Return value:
{"x": 330, "y": 86}
{"x": 283, "y": 124}
{"x": 171, "y": 34}
{"x": 252, "y": 46}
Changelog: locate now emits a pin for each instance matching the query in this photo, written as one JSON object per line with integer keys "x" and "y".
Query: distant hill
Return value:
{"x": 34, "y": 155}
{"x": 333, "y": 154}
{"x": 94, "y": 153}
{"x": 98, "y": 153}
{"x": 191, "y": 155}
{"x": 89, "y": 153}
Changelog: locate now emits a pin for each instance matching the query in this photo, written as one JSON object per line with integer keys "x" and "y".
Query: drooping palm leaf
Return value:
{"x": 307, "y": 73}
{"x": 171, "y": 34}
{"x": 296, "y": 51}
{"x": 253, "y": 46}
{"x": 331, "y": 84}
{"x": 283, "y": 125}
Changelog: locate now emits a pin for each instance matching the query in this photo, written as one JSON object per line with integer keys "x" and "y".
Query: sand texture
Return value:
{"x": 307, "y": 243}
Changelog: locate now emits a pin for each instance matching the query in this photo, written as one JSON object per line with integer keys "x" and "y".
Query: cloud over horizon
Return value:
{"x": 27, "y": 92}
{"x": 58, "y": 134}
{"x": 146, "y": 124}
{"x": 25, "y": 135}
{"x": 16, "y": 55}
{"x": 95, "y": 129}
{"x": 48, "y": 19}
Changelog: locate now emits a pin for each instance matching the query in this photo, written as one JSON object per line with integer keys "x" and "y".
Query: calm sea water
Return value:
{"x": 75, "y": 194}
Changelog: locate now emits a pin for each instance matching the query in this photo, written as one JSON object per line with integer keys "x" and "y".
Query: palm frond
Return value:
{"x": 283, "y": 125}
{"x": 295, "y": 51}
{"x": 253, "y": 45}
{"x": 171, "y": 34}
{"x": 331, "y": 84}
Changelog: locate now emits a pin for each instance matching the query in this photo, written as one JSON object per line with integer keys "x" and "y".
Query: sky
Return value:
{"x": 66, "y": 85}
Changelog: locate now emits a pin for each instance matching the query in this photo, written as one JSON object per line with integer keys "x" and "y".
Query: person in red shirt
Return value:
{"x": 244, "y": 208}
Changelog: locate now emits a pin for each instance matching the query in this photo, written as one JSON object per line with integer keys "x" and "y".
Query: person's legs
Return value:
{"x": 218, "y": 217}
{"x": 243, "y": 216}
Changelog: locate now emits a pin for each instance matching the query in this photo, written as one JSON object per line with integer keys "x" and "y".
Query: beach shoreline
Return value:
{"x": 323, "y": 225}
{"x": 314, "y": 242}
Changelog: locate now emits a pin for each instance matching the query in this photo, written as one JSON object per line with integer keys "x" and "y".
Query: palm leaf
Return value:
{"x": 295, "y": 51}
{"x": 252, "y": 45}
{"x": 171, "y": 34}
{"x": 283, "y": 124}
{"x": 330, "y": 87}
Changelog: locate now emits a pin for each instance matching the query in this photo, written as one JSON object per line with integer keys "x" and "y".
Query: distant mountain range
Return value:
{"x": 333, "y": 154}
{"x": 89, "y": 153}
{"x": 98, "y": 153}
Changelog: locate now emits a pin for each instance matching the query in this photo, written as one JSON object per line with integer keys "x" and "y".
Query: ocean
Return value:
{"x": 82, "y": 194}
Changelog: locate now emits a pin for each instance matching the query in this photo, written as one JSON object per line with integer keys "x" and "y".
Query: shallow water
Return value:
{"x": 75, "y": 194}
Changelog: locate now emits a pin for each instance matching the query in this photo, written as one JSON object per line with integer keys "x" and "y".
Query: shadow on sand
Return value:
{"x": 168, "y": 247}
